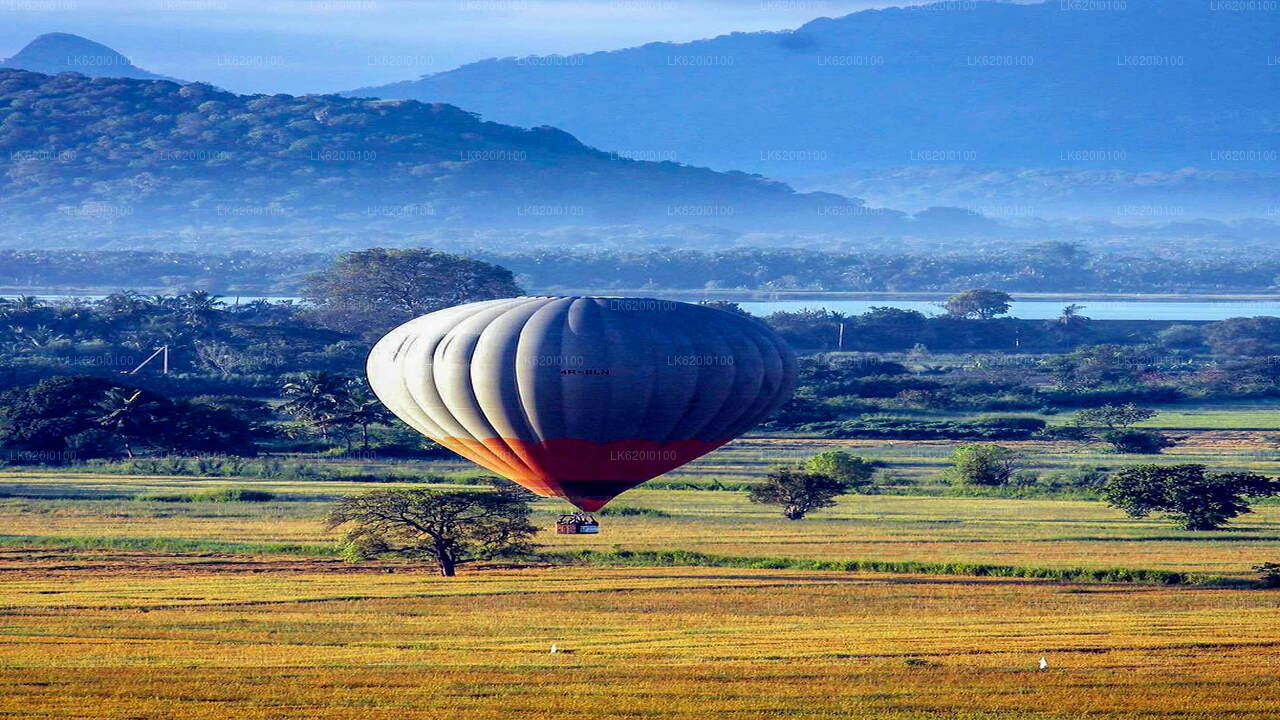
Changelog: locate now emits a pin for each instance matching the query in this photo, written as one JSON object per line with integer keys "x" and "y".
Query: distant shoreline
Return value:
{"x": 728, "y": 295}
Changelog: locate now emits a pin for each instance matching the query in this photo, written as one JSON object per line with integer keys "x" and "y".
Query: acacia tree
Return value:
{"x": 451, "y": 528}
{"x": 1192, "y": 497}
{"x": 982, "y": 303}
{"x": 1118, "y": 421}
{"x": 1114, "y": 417}
{"x": 373, "y": 290}
{"x": 798, "y": 491}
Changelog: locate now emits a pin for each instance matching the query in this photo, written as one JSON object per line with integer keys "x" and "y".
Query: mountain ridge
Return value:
{"x": 57, "y": 52}
{"x": 87, "y": 152}
{"x": 1162, "y": 85}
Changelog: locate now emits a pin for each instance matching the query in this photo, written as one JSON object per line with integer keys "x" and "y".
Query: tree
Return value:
{"x": 986, "y": 464}
{"x": 1192, "y": 497}
{"x": 798, "y": 491}
{"x": 314, "y": 397}
{"x": 1113, "y": 417}
{"x": 1070, "y": 325}
{"x": 39, "y": 418}
{"x": 449, "y": 527}
{"x": 1118, "y": 421}
{"x": 130, "y": 415}
{"x": 850, "y": 470}
{"x": 982, "y": 303}
{"x": 374, "y": 290}
{"x": 358, "y": 408}
{"x": 1255, "y": 336}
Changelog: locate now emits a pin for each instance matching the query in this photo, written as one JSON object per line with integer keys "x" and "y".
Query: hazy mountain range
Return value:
{"x": 53, "y": 53}
{"x": 897, "y": 128}
{"x": 123, "y": 156}
{"x": 884, "y": 98}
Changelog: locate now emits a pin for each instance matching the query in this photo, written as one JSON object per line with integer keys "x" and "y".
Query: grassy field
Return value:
{"x": 112, "y": 607}
{"x": 118, "y": 636}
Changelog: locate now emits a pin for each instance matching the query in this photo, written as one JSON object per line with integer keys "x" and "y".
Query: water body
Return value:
{"x": 1204, "y": 310}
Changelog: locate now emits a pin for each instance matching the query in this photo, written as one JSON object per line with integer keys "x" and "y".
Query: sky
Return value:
{"x": 300, "y": 46}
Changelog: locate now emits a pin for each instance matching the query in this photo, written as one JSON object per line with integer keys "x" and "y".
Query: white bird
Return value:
{"x": 554, "y": 649}
{"x": 1044, "y": 664}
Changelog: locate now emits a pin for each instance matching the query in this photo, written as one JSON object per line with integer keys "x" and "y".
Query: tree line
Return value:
{"x": 1057, "y": 266}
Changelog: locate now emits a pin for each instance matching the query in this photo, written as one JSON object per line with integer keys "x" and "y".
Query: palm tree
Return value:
{"x": 127, "y": 415}
{"x": 359, "y": 409}
{"x": 1070, "y": 324}
{"x": 314, "y": 397}
{"x": 198, "y": 308}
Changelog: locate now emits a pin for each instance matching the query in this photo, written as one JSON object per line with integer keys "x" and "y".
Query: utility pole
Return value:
{"x": 162, "y": 351}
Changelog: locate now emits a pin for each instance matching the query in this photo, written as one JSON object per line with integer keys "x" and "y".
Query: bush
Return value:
{"x": 632, "y": 512}
{"x": 990, "y": 428}
{"x": 1138, "y": 442}
{"x": 221, "y": 495}
{"x": 989, "y": 465}
{"x": 1270, "y": 574}
{"x": 845, "y": 467}
{"x": 1083, "y": 478}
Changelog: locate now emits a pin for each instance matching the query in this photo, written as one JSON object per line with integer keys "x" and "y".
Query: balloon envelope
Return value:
{"x": 582, "y": 398}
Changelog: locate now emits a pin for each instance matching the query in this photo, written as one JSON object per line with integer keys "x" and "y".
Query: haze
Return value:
{"x": 331, "y": 45}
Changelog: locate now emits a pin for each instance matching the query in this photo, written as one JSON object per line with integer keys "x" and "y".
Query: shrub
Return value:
{"x": 988, "y": 428}
{"x": 847, "y": 468}
{"x": 989, "y": 465}
{"x": 632, "y": 512}
{"x": 1269, "y": 574}
{"x": 221, "y": 495}
{"x": 1138, "y": 442}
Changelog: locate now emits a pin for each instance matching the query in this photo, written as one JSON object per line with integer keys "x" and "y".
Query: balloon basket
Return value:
{"x": 577, "y": 524}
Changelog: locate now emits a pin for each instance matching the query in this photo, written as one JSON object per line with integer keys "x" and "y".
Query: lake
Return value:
{"x": 1164, "y": 309}
{"x": 1206, "y": 310}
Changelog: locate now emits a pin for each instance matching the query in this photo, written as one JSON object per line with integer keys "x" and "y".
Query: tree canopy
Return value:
{"x": 448, "y": 527}
{"x": 374, "y": 290}
{"x": 799, "y": 491}
{"x": 1192, "y": 496}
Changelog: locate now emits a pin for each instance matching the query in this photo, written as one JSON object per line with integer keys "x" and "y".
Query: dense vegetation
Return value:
{"x": 81, "y": 154}
{"x": 1044, "y": 267}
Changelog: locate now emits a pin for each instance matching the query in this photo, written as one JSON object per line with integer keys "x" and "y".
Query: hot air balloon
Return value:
{"x": 582, "y": 398}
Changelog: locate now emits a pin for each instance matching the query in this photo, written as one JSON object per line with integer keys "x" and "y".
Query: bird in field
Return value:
{"x": 554, "y": 649}
{"x": 1044, "y": 664}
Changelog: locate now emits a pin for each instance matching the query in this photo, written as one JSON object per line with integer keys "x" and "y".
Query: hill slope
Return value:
{"x": 1138, "y": 84}
{"x": 82, "y": 153}
{"x": 53, "y": 53}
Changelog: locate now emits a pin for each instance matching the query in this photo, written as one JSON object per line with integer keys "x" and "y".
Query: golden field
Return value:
{"x": 97, "y": 635}
{"x": 1028, "y": 532}
{"x": 112, "y": 607}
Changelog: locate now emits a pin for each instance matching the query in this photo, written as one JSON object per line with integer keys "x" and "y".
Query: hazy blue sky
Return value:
{"x": 324, "y": 45}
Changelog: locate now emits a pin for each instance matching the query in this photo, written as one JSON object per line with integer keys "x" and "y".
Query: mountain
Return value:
{"x": 53, "y": 53}
{"x": 1138, "y": 85}
{"x": 86, "y": 155}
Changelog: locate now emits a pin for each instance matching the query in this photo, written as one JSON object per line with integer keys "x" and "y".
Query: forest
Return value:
{"x": 1054, "y": 266}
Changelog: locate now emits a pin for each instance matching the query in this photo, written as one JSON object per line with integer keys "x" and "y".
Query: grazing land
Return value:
{"x": 116, "y": 607}
{"x": 102, "y": 634}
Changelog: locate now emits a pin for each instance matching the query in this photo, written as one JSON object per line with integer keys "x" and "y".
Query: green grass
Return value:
{"x": 220, "y": 495}
{"x": 165, "y": 545}
{"x": 686, "y": 558}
